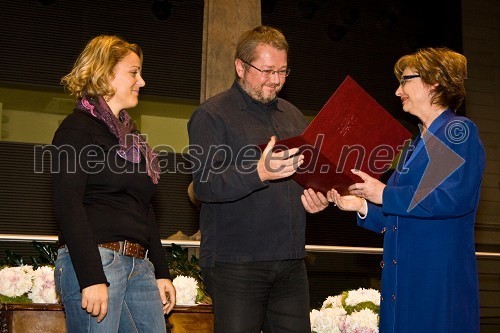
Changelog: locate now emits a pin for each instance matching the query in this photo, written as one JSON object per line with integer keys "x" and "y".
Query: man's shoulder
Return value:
{"x": 222, "y": 103}
{"x": 226, "y": 96}
{"x": 285, "y": 105}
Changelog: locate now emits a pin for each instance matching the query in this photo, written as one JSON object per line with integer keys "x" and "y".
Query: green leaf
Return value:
{"x": 23, "y": 299}
{"x": 35, "y": 263}
{"x": 47, "y": 254}
{"x": 363, "y": 305}
{"x": 13, "y": 259}
{"x": 202, "y": 296}
{"x": 344, "y": 296}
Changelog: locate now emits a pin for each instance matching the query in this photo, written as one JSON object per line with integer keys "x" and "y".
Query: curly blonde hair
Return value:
{"x": 92, "y": 72}
{"x": 441, "y": 65}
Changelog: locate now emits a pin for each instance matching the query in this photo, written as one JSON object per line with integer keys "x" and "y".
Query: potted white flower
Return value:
{"x": 352, "y": 311}
{"x": 186, "y": 290}
{"x": 21, "y": 283}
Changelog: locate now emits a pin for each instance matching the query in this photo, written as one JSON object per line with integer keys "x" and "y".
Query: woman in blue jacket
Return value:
{"x": 427, "y": 209}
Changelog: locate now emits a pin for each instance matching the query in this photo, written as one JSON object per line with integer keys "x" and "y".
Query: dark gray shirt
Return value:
{"x": 242, "y": 218}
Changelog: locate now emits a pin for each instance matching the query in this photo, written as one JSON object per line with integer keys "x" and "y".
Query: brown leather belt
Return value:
{"x": 130, "y": 249}
{"x": 127, "y": 248}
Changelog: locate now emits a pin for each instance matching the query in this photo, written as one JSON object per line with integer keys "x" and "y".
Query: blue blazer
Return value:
{"x": 429, "y": 272}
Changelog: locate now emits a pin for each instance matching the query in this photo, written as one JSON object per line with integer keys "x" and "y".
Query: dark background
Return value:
{"x": 328, "y": 40}
{"x": 39, "y": 41}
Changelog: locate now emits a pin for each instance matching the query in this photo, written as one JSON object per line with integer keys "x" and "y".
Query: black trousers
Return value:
{"x": 272, "y": 297}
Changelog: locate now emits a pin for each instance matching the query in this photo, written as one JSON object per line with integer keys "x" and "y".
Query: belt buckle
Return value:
{"x": 124, "y": 249}
{"x": 134, "y": 251}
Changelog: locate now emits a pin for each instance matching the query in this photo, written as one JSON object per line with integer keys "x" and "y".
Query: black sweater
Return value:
{"x": 100, "y": 197}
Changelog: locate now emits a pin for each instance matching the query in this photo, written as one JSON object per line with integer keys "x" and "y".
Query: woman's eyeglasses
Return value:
{"x": 405, "y": 78}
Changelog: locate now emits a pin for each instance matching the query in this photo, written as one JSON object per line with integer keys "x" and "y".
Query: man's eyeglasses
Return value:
{"x": 405, "y": 78}
{"x": 267, "y": 73}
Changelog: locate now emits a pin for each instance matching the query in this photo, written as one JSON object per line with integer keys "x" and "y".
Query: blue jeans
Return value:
{"x": 269, "y": 296}
{"x": 134, "y": 303}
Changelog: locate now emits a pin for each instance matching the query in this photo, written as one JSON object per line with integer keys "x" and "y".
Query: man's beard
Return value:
{"x": 258, "y": 93}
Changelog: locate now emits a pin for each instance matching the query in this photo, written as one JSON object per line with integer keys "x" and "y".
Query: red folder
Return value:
{"x": 352, "y": 131}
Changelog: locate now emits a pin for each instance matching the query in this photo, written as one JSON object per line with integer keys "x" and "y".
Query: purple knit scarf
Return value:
{"x": 132, "y": 144}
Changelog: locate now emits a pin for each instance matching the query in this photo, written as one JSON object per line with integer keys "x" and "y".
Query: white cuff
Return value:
{"x": 366, "y": 206}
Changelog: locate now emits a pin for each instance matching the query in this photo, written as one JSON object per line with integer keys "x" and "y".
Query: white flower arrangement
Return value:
{"x": 43, "y": 290}
{"x": 16, "y": 281}
{"x": 23, "y": 284}
{"x": 363, "y": 321}
{"x": 353, "y": 311}
{"x": 186, "y": 290}
{"x": 355, "y": 297}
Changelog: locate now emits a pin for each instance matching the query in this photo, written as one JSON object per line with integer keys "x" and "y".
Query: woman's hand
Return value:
{"x": 347, "y": 202}
{"x": 371, "y": 189}
{"x": 167, "y": 294}
{"x": 95, "y": 300}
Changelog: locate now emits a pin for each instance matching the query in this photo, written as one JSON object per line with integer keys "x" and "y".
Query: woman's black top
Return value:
{"x": 100, "y": 197}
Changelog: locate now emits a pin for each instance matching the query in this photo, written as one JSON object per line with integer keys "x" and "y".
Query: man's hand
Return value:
{"x": 313, "y": 201}
{"x": 95, "y": 300}
{"x": 278, "y": 165}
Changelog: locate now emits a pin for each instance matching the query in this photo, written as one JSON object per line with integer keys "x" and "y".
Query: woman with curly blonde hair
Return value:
{"x": 111, "y": 273}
